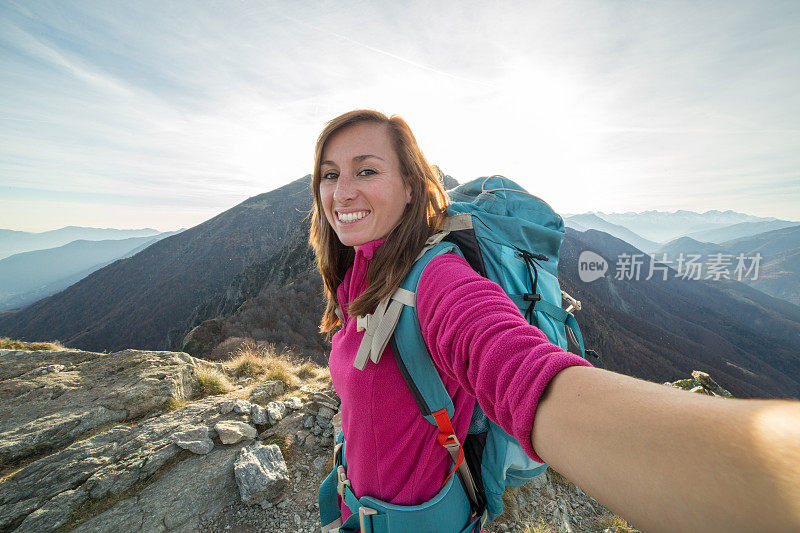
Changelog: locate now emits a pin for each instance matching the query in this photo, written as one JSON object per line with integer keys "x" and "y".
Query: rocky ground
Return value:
{"x": 123, "y": 442}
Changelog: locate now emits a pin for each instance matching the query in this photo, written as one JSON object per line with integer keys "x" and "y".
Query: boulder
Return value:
{"x": 232, "y": 432}
{"x": 241, "y": 406}
{"x": 261, "y": 473}
{"x": 266, "y": 391}
{"x": 81, "y": 391}
{"x": 276, "y": 411}
{"x": 259, "y": 415}
{"x": 195, "y": 439}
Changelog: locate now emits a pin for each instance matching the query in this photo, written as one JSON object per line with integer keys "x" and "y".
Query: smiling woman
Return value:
{"x": 666, "y": 460}
{"x": 363, "y": 191}
{"x": 367, "y": 170}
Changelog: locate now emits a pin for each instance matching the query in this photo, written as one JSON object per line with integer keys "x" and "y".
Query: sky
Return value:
{"x": 164, "y": 114}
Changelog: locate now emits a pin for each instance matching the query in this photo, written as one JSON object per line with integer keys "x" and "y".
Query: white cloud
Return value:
{"x": 611, "y": 107}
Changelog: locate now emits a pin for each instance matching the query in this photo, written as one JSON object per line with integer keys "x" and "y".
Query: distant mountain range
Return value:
{"x": 592, "y": 221}
{"x": 14, "y": 242}
{"x": 777, "y": 272}
{"x": 149, "y": 300}
{"x": 742, "y": 229}
{"x": 658, "y": 328}
{"x": 654, "y": 329}
{"x": 650, "y": 229}
{"x": 30, "y": 276}
{"x": 248, "y": 273}
{"x": 664, "y": 226}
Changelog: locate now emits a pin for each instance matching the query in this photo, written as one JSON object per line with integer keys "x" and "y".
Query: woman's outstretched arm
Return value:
{"x": 671, "y": 460}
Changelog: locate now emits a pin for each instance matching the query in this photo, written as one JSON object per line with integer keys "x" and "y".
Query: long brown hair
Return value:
{"x": 392, "y": 260}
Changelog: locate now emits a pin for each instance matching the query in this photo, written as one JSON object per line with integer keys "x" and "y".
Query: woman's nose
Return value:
{"x": 345, "y": 189}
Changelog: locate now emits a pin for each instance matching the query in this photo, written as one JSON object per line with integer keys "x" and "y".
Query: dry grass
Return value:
{"x": 211, "y": 381}
{"x": 307, "y": 370}
{"x": 539, "y": 527}
{"x": 248, "y": 363}
{"x": 9, "y": 344}
{"x": 620, "y": 525}
{"x": 264, "y": 362}
{"x": 174, "y": 404}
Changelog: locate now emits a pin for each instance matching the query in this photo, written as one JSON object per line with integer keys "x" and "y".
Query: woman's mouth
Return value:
{"x": 353, "y": 216}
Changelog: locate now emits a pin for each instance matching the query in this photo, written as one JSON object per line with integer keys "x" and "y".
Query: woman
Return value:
{"x": 637, "y": 447}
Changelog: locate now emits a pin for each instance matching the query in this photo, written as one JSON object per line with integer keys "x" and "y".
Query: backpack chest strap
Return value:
{"x": 379, "y": 326}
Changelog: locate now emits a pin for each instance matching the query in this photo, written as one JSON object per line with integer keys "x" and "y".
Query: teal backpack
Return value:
{"x": 512, "y": 238}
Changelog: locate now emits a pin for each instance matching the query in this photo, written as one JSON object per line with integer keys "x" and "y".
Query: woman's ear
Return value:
{"x": 409, "y": 196}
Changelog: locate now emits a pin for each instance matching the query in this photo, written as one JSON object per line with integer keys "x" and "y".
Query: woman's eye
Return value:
{"x": 367, "y": 172}
{"x": 330, "y": 176}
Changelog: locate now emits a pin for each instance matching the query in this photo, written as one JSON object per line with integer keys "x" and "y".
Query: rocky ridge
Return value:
{"x": 127, "y": 445}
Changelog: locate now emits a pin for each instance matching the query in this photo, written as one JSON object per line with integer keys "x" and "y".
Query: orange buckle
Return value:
{"x": 362, "y": 512}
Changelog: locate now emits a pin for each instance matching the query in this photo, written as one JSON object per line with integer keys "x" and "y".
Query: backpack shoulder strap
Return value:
{"x": 379, "y": 325}
{"x": 422, "y": 378}
{"x": 409, "y": 347}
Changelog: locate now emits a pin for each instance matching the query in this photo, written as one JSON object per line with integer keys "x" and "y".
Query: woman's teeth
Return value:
{"x": 352, "y": 217}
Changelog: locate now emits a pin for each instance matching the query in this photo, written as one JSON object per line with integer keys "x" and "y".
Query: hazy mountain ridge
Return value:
{"x": 775, "y": 253}
{"x": 144, "y": 301}
{"x": 688, "y": 245}
{"x": 591, "y": 221}
{"x": 14, "y": 242}
{"x": 663, "y": 226}
{"x": 655, "y": 329}
{"x": 248, "y": 273}
{"x": 740, "y": 230}
{"x": 30, "y": 276}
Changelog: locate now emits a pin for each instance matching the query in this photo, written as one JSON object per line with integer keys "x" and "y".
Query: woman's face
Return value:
{"x": 362, "y": 190}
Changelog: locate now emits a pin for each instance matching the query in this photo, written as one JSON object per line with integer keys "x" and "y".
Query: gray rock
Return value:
{"x": 539, "y": 482}
{"x": 50, "y": 431}
{"x": 267, "y": 391}
{"x": 319, "y": 463}
{"x": 309, "y": 422}
{"x": 259, "y": 414}
{"x": 327, "y": 399}
{"x": 226, "y": 406}
{"x": 54, "y": 513}
{"x": 276, "y": 411}
{"x": 197, "y": 487}
{"x": 294, "y": 403}
{"x": 326, "y": 412}
{"x": 702, "y": 383}
{"x": 98, "y": 389}
{"x": 709, "y": 384}
{"x": 233, "y": 431}
{"x": 194, "y": 439}
{"x": 46, "y": 491}
{"x": 241, "y": 406}
{"x": 261, "y": 473}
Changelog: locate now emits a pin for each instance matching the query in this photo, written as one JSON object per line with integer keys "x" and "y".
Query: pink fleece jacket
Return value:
{"x": 482, "y": 347}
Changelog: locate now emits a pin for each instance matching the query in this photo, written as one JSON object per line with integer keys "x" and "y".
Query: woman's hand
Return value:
{"x": 671, "y": 460}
